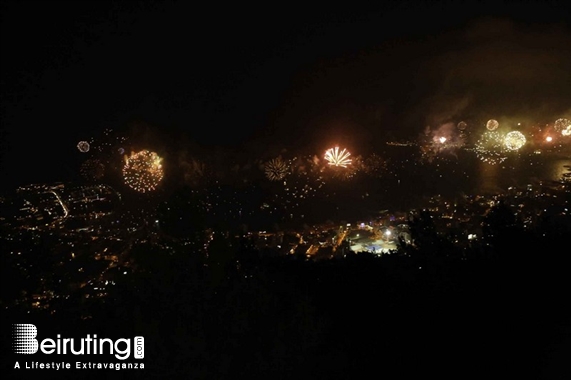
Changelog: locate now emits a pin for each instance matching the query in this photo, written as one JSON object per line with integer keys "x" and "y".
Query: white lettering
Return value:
{"x": 122, "y": 355}
{"x": 48, "y": 346}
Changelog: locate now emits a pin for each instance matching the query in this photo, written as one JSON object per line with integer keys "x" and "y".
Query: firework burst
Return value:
{"x": 490, "y": 148}
{"x": 276, "y": 169}
{"x": 336, "y": 157}
{"x": 83, "y": 146}
{"x": 563, "y": 126}
{"x": 143, "y": 171}
{"x": 349, "y": 172}
{"x": 492, "y": 125}
{"x": 514, "y": 140}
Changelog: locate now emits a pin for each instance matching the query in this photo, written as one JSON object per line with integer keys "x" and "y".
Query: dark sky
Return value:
{"x": 254, "y": 79}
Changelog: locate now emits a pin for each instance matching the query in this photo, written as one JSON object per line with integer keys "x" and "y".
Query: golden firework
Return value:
{"x": 490, "y": 148}
{"x": 563, "y": 126}
{"x": 514, "y": 140}
{"x": 276, "y": 169}
{"x": 336, "y": 157}
{"x": 143, "y": 171}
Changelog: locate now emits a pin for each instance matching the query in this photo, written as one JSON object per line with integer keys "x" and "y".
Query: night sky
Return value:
{"x": 249, "y": 80}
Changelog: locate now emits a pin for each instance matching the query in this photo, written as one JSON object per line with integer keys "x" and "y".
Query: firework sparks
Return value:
{"x": 276, "y": 169}
{"x": 562, "y": 124}
{"x": 143, "y": 171}
{"x": 514, "y": 140}
{"x": 347, "y": 173}
{"x": 443, "y": 140}
{"x": 490, "y": 148}
{"x": 335, "y": 157}
{"x": 83, "y": 146}
{"x": 492, "y": 125}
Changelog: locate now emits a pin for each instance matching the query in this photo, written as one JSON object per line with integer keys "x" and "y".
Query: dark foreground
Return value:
{"x": 498, "y": 310}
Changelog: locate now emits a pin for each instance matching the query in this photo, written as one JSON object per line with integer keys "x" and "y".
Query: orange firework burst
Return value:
{"x": 336, "y": 157}
{"x": 143, "y": 171}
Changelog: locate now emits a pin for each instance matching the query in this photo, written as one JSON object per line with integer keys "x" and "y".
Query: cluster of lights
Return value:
{"x": 143, "y": 171}
{"x": 490, "y": 148}
{"x": 301, "y": 187}
{"x": 563, "y": 126}
{"x": 298, "y": 187}
{"x": 494, "y": 145}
